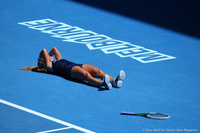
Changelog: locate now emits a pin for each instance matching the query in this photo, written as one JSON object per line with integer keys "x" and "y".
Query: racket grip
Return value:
{"x": 127, "y": 113}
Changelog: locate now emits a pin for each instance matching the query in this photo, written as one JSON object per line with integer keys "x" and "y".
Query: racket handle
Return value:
{"x": 127, "y": 113}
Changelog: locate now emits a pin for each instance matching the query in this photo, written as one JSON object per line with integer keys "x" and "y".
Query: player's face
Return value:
{"x": 40, "y": 64}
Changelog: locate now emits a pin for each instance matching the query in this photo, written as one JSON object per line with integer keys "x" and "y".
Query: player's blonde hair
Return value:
{"x": 34, "y": 69}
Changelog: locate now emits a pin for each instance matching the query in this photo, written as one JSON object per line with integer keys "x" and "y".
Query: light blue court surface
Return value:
{"x": 162, "y": 71}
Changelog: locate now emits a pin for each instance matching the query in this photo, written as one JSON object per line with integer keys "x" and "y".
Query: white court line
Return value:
{"x": 45, "y": 116}
{"x": 54, "y": 130}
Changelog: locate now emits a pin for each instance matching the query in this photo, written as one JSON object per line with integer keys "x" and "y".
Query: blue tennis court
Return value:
{"x": 161, "y": 62}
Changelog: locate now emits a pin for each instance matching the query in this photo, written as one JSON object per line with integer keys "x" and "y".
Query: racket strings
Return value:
{"x": 158, "y": 115}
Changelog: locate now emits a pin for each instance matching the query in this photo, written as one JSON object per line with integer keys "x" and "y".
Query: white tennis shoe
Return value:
{"x": 106, "y": 82}
{"x": 119, "y": 79}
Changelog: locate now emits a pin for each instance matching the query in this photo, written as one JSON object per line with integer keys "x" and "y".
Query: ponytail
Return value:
{"x": 34, "y": 69}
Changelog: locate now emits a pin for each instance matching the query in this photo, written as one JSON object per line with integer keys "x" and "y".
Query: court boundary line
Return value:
{"x": 54, "y": 130}
{"x": 45, "y": 116}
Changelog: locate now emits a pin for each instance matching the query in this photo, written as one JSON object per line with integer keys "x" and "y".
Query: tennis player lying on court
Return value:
{"x": 72, "y": 70}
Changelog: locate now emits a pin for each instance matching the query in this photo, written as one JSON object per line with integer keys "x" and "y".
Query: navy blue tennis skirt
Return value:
{"x": 63, "y": 67}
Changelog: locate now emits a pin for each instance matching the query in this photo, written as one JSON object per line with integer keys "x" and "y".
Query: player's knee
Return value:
{"x": 99, "y": 73}
{"x": 86, "y": 74}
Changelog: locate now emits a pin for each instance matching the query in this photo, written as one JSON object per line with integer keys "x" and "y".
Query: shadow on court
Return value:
{"x": 72, "y": 80}
{"x": 179, "y": 15}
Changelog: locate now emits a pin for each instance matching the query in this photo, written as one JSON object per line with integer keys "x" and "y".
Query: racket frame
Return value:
{"x": 146, "y": 115}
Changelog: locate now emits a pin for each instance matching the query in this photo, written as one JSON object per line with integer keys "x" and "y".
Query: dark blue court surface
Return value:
{"x": 162, "y": 68}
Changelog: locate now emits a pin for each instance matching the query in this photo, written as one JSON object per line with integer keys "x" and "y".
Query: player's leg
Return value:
{"x": 81, "y": 74}
{"x": 95, "y": 72}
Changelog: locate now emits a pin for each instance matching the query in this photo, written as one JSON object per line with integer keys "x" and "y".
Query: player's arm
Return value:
{"x": 45, "y": 56}
{"x": 54, "y": 51}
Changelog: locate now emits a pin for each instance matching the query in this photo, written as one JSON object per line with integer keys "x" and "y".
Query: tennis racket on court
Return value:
{"x": 148, "y": 115}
